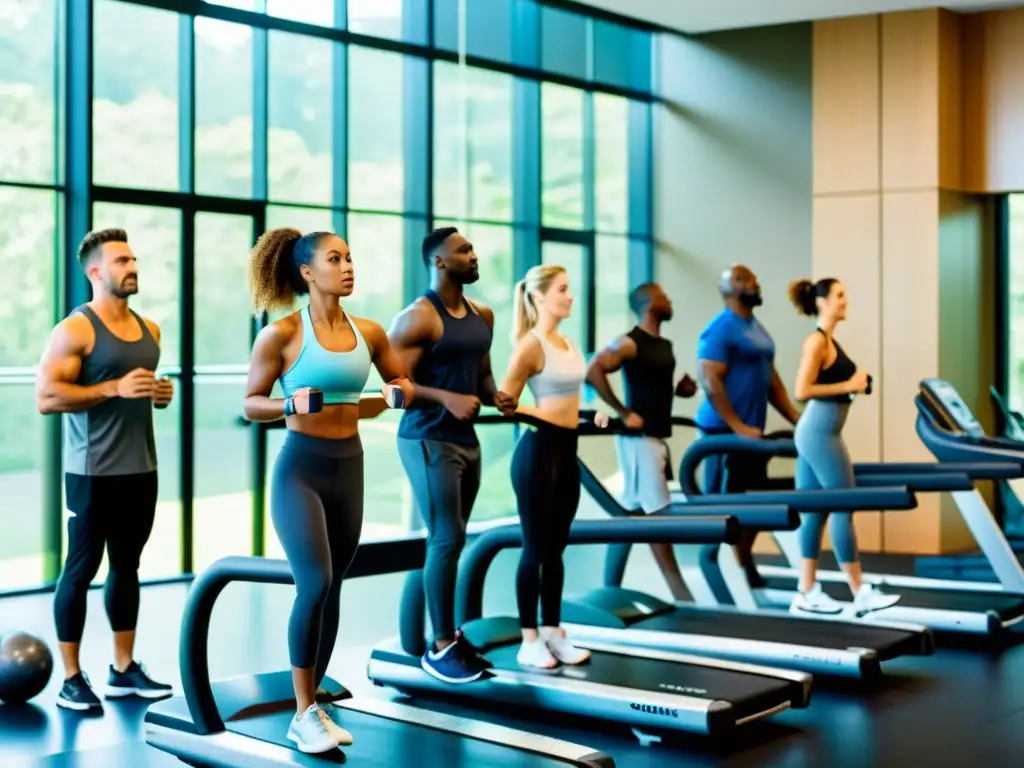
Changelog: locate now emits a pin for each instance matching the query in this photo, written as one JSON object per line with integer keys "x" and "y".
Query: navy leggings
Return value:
{"x": 546, "y": 480}
{"x": 316, "y": 503}
{"x": 823, "y": 462}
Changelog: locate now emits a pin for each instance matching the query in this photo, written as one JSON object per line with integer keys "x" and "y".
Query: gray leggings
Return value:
{"x": 316, "y": 504}
{"x": 445, "y": 478}
{"x": 823, "y": 462}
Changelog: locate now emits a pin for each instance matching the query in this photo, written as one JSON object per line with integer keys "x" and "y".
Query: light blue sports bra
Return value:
{"x": 341, "y": 376}
{"x": 563, "y": 371}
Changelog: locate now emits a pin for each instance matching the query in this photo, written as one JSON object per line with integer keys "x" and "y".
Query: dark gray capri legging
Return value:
{"x": 316, "y": 504}
{"x": 823, "y": 462}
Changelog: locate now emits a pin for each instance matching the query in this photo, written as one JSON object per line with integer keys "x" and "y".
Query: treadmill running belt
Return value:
{"x": 378, "y": 741}
{"x": 888, "y": 643}
{"x": 1003, "y": 605}
{"x": 750, "y": 694}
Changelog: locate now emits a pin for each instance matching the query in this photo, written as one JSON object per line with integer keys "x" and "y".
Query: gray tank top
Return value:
{"x": 116, "y": 436}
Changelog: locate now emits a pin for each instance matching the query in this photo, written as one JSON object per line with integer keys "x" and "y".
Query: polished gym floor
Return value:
{"x": 963, "y": 706}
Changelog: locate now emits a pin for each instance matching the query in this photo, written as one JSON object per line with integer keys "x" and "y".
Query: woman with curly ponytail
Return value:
{"x": 828, "y": 380}
{"x": 321, "y": 356}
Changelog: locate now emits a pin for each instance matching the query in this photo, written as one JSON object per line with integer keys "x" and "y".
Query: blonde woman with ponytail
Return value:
{"x": 545, "y": 475}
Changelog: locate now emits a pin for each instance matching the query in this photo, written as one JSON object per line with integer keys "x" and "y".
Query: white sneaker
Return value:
{"x": 341, "y": 737}
{"x": 562, "y": 648}
{"x": 815, "y": 600}
{"x": 870, "y": 598}
{"x": 309, "y": 731}
{"x": 536, "y": 654}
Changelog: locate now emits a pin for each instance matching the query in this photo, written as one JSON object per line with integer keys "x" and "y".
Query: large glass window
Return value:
{"x": 376, "y": 139}
{"x": 300, "y": 116}
{"x": 135, "y": 96}
{"x": 473, "y": 111}
{"x": 562, "y": 146}
{"x": 376, "y": 167}
{"x": 1016, "y": 303}
{"x": 224, "y": 127}
{"x": 28, "y": 91}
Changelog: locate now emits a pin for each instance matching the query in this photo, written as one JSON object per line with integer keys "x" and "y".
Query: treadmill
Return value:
{"x": 651, "y": 691}
{"x": 713, "y": 626}
{"x": 244, "y": 721}
{"x": 944, "y": 605}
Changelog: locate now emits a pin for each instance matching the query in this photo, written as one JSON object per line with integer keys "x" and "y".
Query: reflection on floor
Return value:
{"x": 964, "y": 704}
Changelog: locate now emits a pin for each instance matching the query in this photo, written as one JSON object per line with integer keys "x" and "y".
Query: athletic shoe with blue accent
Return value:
{"x": 451, "y": 665}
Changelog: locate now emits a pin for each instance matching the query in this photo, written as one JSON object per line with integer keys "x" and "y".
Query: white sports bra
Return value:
{"x": 562, "y": 374}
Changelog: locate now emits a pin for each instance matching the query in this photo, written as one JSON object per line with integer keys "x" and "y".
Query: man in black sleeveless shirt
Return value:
{"x": 98, "y": 371}
{"x": 444, "y": 340}
{"x": 648, "y": 367}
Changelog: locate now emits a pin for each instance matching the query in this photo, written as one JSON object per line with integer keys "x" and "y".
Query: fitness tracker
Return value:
{"x": 289, "y": 406}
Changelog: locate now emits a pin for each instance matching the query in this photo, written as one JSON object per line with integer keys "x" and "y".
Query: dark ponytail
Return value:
{"x": 804, "y": 294}
{"x": 274, "y": 275}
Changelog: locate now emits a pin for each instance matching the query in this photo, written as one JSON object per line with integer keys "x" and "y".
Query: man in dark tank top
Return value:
{"x": 648, "y": 366}
{"x": 444, "y": 340}
{"x": 98, "y": 370}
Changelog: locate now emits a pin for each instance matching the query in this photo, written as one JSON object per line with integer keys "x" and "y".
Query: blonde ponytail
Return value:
{"x": 524, "y": 314}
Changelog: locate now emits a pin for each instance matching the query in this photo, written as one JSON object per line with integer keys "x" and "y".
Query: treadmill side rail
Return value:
{"x": 575, "y": 754}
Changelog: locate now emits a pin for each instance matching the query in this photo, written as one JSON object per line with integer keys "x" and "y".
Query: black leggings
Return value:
{"x": 316, "y": 503}
{"x": 115, "y": 512}
{"x": 546, "y": 480}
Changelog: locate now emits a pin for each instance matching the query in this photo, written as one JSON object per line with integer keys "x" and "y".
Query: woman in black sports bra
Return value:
{"x": 828, "y": 380}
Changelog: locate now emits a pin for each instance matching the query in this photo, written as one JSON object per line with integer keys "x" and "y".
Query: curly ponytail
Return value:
{"x": 275, "y": 278}
{"x": 804, "y": 294}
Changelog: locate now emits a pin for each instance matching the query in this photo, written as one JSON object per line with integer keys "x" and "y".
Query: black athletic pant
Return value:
{"x": 445, "y": 478}
{"x": 546, "y": 480}
{"x": 738, "y": 473}
{"x": 114, "y": 512}
{"x": 316, "y": 504}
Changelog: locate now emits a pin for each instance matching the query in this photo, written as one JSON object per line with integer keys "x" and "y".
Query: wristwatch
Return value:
{"x": 289, "y": 406}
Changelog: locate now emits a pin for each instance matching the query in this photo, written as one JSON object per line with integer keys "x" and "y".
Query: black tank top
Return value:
{"x": 452, "y": 363}
{"x": 649, "y": 382}
{"x": 841, "y": 369}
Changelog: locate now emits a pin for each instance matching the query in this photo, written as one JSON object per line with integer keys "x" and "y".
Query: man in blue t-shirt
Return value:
{"x": 736, "y": 370}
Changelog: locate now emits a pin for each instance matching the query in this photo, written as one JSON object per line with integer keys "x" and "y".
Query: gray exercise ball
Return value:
{"x": 25, "y": 666}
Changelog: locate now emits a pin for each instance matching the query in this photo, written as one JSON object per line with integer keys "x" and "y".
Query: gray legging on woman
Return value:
{"x": 316, "y": 503}
{"x": 823, "y": 462}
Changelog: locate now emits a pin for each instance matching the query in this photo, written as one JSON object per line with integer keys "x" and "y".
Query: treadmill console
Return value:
{"x": 949, "y": 407}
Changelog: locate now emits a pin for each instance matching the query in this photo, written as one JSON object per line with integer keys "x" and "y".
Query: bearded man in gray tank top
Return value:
{"x": 98, "y": 370}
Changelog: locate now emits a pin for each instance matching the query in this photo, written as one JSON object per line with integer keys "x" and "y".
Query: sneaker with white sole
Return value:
{"x": 562, "y": 648}
{"x": 536, "y": 654}
{"x": 134, "y": 681}
{"x": 309, "y": 731}
{"x": 871, "y": 598}
{"x": 77, "y": 695}
{"x": 815, "y": 601}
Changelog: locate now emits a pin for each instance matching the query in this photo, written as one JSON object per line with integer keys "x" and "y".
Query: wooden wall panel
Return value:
{"x": 951, "y": 101}
{"x": 993, "y": 71}
{"x": 910, "y": 112}
{"x": 910, "y": 332}
{"x": 846, "y": 105}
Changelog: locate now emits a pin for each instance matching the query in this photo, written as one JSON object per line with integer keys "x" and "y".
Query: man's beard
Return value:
{"x": 469, "y": 276}
{"x": 128, "y": 287}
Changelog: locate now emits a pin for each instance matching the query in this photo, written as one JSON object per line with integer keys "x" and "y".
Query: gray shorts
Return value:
{"x": 644, "y": 464}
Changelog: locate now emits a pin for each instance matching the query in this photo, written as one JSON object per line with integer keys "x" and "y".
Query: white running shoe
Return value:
{"x": 536, "y": 654}
{"x": 815, "y": 600}
{"x": 562, "y": 648}
{"x": 309, "y": 731}
{"x": 871, "y": 598}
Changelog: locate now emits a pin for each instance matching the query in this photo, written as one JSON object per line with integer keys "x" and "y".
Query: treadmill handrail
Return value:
{"x": 827, "y": 500}
{"x": 711, "y": 445}
{"x": 975, "y": 470}
{"x": 951, "y": 446}
{"x": 918, "y": 482}
{"x": 193, "y": 648}
{"x": 652, "y": 529}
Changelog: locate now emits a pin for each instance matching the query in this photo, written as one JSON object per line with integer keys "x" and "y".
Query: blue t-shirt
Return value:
{"x": 749, "y": 352}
